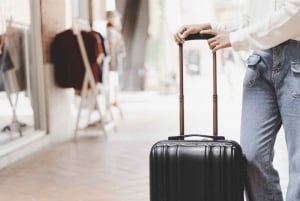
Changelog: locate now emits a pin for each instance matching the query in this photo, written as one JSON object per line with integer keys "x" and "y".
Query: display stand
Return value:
{"x": 15, "y": 125}
{"x": 106, "y": 89}
{"x": 12, "y": 86}
{"x": 89, "y": 91}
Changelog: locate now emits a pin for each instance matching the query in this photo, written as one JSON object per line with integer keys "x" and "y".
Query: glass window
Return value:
{"x": 16, "y": 114}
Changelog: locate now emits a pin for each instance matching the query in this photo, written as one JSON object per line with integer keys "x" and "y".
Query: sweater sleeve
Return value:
{"x": 282, "y": 25}
{"x": 232, "y": 25}
{"x": 240, "y": 22}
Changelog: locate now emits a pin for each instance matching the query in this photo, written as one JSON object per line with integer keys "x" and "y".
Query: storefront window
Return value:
{"x": 16, "y": 113}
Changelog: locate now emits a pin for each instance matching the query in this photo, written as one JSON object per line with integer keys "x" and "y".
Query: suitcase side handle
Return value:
{"x": 182, "y": 137}
{"x": 199, "y": 36}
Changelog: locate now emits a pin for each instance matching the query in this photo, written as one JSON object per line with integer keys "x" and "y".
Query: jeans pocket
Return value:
{"x": 252, "y": 72}
{"x": 295, "y": 79}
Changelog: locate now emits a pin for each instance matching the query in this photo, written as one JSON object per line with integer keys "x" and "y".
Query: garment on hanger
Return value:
{"x": 66, "y": 57}
{"x": 15, "y": 78}
{"x": 13, "y": 61}
{"x": 103, "y": 45}
{"x": 1, "y": 51}
{"x": 5, "y": 65}
{"x": 1, "y": 43}
{"x": 100, "y": 51}
{"x": 12, "y": 71}
{"x": 117, "y": 47}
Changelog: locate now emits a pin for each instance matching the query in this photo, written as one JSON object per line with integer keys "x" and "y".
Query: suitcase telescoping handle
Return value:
{"x": 181, "y": 96}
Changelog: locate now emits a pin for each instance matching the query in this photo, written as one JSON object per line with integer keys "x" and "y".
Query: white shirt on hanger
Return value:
{"x": 264, "y": 24}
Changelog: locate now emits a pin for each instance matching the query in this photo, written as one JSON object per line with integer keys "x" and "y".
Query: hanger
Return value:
{"x": 10, "y": 31}
{"x": 79, "y": 24}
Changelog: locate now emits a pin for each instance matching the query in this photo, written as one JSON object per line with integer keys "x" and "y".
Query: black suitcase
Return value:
{"x": 197, "y": 170}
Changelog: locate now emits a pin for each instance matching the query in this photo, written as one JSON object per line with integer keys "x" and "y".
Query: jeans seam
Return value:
{"x": 270, "y": 187}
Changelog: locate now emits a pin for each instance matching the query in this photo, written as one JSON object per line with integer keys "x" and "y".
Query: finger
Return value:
{"x": 219, "y": 46}
{"x": 211, "y": 40}
{"x": 216, "y": 48}
{"x": 182, "y": 29}
{"x": 210, "y": 46}
{"x": 178, "y": 38}
{"x": 209, "y": 31}
{"x": 175, "y": 38}
{"x": 214, "y": 43}
{"x": 185, "y": 33}
{"x": 177, "y": 35}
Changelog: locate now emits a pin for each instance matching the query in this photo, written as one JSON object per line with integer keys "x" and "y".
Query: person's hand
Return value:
{"x": 220, "y": 41}
{"x": 186, "y": 30}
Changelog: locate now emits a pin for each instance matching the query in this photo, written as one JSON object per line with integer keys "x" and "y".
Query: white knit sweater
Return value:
{"x": 264, "y": 24}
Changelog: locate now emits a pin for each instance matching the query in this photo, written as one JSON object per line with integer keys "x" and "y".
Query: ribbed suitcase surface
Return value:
{"x": 196, "y": 171}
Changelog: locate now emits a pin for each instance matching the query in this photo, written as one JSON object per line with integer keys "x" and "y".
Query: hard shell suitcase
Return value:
{"x": 197, "y": 170}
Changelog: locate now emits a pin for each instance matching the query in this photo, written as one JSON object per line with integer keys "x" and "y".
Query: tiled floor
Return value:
{"x": 91, "y": 169}
{"x": 116, "y": 168}
{"x": 94, "y": 168}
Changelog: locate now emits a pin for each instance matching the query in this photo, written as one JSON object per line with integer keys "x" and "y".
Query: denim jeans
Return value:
{"x": 271, "y": 99}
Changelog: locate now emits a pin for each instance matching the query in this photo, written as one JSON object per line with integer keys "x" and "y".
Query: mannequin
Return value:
{"x": 116, "y": 52}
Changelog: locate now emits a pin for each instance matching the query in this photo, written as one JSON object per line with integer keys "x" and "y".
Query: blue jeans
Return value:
{"x": 271, "y": 99}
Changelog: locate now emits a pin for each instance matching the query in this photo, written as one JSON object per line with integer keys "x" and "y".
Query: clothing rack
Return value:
{"x": 18, "y": 24}
{"x": 107, "y": 90}
{"x": 15, "y": 125}
{"x": 9, "y": 82}
{"x": 88, "y": 84}
{"x": 25, "y": 27}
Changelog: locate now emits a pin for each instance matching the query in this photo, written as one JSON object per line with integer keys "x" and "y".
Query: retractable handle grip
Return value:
{"x": 199, "y": 36}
